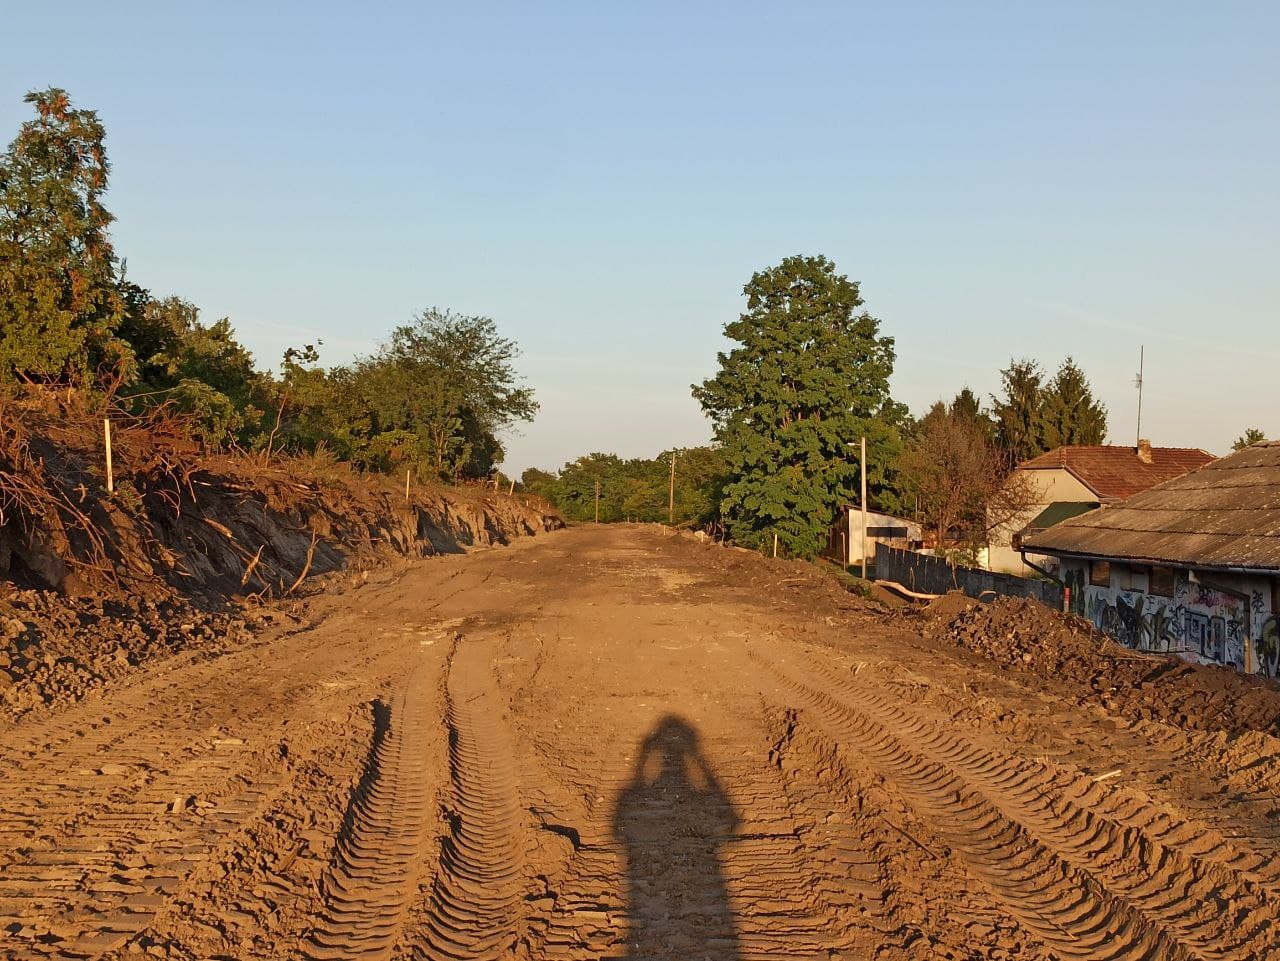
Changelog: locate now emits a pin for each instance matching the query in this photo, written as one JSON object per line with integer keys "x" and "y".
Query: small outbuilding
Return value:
{"x": 1190, "y": 566}
{"x": 844, "y": 541}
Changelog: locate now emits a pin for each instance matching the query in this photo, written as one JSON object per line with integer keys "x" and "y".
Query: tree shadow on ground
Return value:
{"x": 673, "y": 818}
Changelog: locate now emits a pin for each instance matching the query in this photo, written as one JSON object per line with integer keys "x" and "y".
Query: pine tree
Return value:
{"x": 1069, "y": 412}
{"x": 1017, "y": 413}
{"x": 809, "y": 377}
{"x": 60, "y": 299}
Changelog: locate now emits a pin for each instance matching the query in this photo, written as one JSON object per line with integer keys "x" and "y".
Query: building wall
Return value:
{"x": 1209, "y": 622}
{"x": 1052, "y": 485}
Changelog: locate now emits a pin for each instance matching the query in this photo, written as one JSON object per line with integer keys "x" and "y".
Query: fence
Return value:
{"x": 936, "y": 575}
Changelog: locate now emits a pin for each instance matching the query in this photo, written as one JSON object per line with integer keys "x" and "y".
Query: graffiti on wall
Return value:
{"x": 1268, "y": 647}
{"x": 1208, "y": 623}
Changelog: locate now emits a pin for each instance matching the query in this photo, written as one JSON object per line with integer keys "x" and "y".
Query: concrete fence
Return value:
{"x": 936, "y": 575}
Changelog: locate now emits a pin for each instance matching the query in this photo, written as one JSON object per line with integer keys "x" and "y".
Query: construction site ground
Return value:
{"x": 618, "y": 742}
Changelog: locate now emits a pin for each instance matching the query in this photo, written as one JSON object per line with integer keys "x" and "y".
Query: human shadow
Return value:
{"x": 672, "y": 819}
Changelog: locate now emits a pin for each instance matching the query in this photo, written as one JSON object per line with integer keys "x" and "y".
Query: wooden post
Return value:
{"x": 512, "y": 489}
{"x": 406, "y": 482}
{"x": 106, "y": 433}
{"x": 775, "y": 543}
{"x": 671, "y": 492}
{"x": 864, "y": 508}
{"x": 597, "y": 502}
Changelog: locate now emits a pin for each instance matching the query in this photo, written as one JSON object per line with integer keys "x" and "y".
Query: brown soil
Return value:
{"x": 619, "y": 742}
{"x": 1026, "y": 635}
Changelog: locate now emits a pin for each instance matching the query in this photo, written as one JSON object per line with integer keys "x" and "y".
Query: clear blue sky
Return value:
{"x": 1004, "y": 179}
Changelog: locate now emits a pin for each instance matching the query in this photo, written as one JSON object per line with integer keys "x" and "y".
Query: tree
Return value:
{"x": 959, "y": 478}
{"x": 59, "y": 289}
{"x": 1017, "y": 412}
{"x": 203, "y": 370}
{"x": 1251, "y": 436}
{"x": 1069, "y": 413}
{"x": 449, "y": 380}
{"x": 809, "y": 377}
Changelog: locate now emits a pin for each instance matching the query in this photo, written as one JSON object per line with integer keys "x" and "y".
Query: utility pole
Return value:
{"x": 1138, "y": 383}
{"x": 671, "y": 493}
{"x": 864, "y": 508}
{"x": 597, "y": 502}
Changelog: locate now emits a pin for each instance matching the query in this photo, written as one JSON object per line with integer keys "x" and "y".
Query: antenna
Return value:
{"x": 1137, "y": 382}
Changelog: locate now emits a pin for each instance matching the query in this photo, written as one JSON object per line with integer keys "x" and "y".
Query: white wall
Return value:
{"x": 1051, "y": 486}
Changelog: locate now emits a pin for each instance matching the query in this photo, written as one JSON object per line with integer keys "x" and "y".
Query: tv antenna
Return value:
{"x": 1137, "y": 382}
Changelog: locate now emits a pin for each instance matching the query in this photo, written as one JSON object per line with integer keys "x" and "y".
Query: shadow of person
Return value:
{"x": 672, "y": 820}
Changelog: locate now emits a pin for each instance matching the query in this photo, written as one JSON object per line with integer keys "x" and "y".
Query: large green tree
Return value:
{"x": 60, "y": 298}
{"x": 810, "y": 375}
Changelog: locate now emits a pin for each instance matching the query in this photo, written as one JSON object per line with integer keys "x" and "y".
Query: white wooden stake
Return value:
{"x": 106, "y": 433}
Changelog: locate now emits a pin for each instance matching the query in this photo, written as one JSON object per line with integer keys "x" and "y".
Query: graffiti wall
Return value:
{"x": 1197, "y": 621}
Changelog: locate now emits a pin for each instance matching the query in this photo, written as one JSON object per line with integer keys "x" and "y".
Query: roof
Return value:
{"x": 1059, "y": 511}
{"x": 1225, "y": 516}
{"x": 1114, "y": 472}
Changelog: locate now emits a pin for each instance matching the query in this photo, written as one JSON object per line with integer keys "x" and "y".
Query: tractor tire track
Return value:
{"x": 1066, "y": 908}
{"x": 474, "y": 909}
{"x": 374, "y": 877}
{"x": 1167, "y": 868}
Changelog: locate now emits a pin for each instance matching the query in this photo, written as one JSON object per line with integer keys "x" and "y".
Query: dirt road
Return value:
{"x": 612, "y": 742}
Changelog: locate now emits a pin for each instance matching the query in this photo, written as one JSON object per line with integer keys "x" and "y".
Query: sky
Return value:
{"x": 1003, "y": 180}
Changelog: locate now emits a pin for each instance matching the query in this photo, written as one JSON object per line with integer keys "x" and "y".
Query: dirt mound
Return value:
{"x": 948, "y": 606}
{"x": 1028, "y": 636}
{"x": 181, "y": 522}
{"x": 55, "y": 650}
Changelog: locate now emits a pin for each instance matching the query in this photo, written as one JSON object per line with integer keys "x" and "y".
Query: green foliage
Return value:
{"x": 1032, "y": 416}
{"x": 636, "y": 489}
{"x": 202, "y": 370}
{"x": 1017, "y": 412}
{"x": 809, "y": 377}
{"x": 1251, "y": 436}
{"x": 433, "y": 399}
{"x": 1069, "y": 413}
{"x": 59, "y": 293}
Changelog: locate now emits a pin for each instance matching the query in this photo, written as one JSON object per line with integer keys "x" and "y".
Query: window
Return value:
{"x": 1129, "y": 578}
{"x": 1100, "y": 574}
{"x": 1162, "y": 582}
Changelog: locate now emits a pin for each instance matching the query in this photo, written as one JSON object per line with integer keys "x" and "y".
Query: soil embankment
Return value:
{"x": 189, "y": 551}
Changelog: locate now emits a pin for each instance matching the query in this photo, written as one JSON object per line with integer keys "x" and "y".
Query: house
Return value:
{"x": 1190, "y": 566}
{"x": 1069, "y": 481}
{"x": 844, "y": 540}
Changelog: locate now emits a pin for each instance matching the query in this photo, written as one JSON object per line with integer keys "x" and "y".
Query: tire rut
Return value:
{"x": 374, "y": 877}
{"x": 474, "y": 909}
{"x": 1065, "y": 907}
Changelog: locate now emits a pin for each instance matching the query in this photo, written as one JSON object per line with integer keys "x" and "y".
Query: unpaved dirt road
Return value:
{"x": 612, "y": 742}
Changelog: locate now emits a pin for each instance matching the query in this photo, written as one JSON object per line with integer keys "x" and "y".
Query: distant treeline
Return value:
{"x": 638, "y": 489}
{"x": 433, "y": 399}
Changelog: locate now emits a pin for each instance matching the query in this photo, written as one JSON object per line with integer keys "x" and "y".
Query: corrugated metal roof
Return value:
{"x": 1224, "y": 515}
{"x": 1117, "y": 472}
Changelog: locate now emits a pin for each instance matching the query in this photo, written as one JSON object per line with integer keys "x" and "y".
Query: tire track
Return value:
{"x": 1172, "y": 871}
{"x": 373, "y": 879}
{"x": 1064, "y": 907}
{"x": 474, "y": 909}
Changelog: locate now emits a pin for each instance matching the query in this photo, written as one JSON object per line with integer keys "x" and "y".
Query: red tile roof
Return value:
{"x": 1116, "y": 472}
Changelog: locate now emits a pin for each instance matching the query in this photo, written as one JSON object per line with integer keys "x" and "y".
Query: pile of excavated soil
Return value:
{"x": 55, "y": 649}
{"x": 1028, "y": 636}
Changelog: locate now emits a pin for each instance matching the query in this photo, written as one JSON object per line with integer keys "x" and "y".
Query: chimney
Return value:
{"x": 1144, "y": 451}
